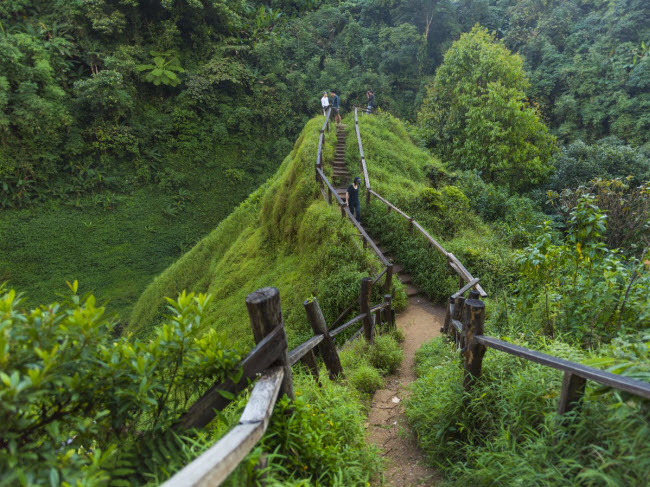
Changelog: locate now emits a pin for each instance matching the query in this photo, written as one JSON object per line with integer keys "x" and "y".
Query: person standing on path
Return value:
{"x": 336, "y": 105}
{"x": 371, "y": 101}
{"x": 352, "y": 198}
{"x": 325, "y": 103}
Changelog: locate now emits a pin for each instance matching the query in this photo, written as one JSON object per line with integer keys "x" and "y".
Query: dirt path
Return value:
{"x": 387, "y": 426}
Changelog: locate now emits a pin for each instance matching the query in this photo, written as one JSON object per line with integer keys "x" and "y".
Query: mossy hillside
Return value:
{"x": 113, "y": 251}
{"x": 420, "y": 185}
{"x": 283, "y": 235}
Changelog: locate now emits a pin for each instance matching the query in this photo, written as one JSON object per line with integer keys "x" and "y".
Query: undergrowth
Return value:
{"x": 420, "y": 185}
{"x": 506, "y": 432}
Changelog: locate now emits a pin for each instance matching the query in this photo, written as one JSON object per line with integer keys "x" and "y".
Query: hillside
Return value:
{"x": 283, "y": 235}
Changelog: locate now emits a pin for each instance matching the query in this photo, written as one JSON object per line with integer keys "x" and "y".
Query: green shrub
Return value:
{"x": 385, "y": 354}
{"x": 72, "y": 395}
{"x": 366, "y": 379}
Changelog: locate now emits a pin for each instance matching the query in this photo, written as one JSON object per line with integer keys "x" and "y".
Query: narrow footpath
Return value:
{"x": 420, "y": 321}
{"x": 387, "y": 425}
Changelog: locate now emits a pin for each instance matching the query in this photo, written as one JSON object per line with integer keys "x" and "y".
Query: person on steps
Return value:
{"x": 325, "y": 103}
{"x": 352, "y": 198}
{"x": 336, "y": 105}
{"x": 371, "y": 101}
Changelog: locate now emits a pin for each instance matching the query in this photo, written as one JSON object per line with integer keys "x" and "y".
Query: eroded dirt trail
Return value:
{"x": 387, "y": 425}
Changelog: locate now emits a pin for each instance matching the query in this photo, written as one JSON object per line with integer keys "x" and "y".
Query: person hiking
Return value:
{"x": 352, "y": 198}
{"x": 325, "y": 103}
{"x": 336, "y": 106}
{"x": 371, "y": 101}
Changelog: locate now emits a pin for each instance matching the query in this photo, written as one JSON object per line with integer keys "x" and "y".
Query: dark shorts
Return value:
{"x": 335, "y": 111}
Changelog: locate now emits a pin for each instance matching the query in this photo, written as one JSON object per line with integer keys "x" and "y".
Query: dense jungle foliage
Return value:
{"x": 123, "y": 109}
{"x": 143, "y": 138}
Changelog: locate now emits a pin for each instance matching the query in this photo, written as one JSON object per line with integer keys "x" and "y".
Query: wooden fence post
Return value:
{"x": 367, "y": 195}
{"x": 573, "y": 388}
{"x": 447, "y": 326}
{"x": 458, "y": 316}
{"x": 388, "y": 310}
{"x": 388, "y": 284}
{"x": 265, "y": 314}
{"x": 326, "y": 348}
{"x": 364, "y": 304}
{"x": 473, "y": 351}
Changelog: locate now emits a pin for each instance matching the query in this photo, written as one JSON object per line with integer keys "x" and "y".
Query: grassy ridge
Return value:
{"x": 421, "y": 186}
{"x": 283, "y": 235}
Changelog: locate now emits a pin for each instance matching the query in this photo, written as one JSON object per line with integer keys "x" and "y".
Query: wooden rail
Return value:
{"x": 452, "y": 261}
{"x": 464, "y": 323}
{"x": 216, "y": 463}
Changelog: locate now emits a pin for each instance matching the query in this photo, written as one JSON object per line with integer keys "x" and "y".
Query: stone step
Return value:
{"x": 397, "y": 269}
{"x": 404, "y": 278}
{"x": 411, "y": 290}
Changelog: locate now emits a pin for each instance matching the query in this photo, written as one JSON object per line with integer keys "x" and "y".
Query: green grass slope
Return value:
{"x": 283, "y": 235}
{"x": 409, "y": 177}
{"x": 113, "y": 252}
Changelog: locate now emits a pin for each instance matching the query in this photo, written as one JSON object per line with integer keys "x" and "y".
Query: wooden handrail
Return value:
{"x": 329, "y": 186}
{"x": 390, "y": 205}
{"x": 372, "y": 244}
{"x": 348, "y": 324}
{"x": 301, "y": 350}
{"x": 358, "y": 318}
{"x": 466, "y": 288}
{"x": 364, "y": 167}
{"x": 257, "y": 360}
{"x": 464, "y": 273}
{"x": 627, "y": 384}
{"x": 216, "y": 463}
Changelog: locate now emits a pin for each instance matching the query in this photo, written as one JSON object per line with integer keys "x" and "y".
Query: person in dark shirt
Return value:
{"x": 336, "y": 105}
{"x": 352, "y": 198}
{"x": 371, "y": 101}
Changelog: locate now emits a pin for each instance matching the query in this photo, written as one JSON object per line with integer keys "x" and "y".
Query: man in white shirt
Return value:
{"x": 324, "y": 101}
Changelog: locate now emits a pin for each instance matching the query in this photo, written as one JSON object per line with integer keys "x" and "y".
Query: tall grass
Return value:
{"x": 283, "y": 235}
{"x": 506, "y": 432}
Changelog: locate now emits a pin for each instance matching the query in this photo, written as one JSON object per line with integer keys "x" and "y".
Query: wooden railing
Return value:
{"x": 271, "y": 361}
{"x": 452, "y": 261}
{"x": 464, "y": 324}
{"x": 330, "y": 195}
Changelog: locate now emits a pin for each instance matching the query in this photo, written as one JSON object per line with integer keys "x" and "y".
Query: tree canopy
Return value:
{"x": 476, "y": 115}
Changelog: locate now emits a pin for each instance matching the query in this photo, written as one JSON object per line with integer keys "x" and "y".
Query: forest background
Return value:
{"x": 129, "y": 129}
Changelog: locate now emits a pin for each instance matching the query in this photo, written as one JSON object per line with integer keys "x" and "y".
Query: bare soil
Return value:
{"x": 387, "y": 425}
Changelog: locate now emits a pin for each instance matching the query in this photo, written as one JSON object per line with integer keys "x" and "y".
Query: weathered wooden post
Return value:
{"x": 326, "y": 348}
{"x": 388, "y": 310}
{"x": 265, "y": 314}
{"x": 573, "y": 389}
{"x": 473, "y": 351}
{"x": 367, "y": 195}
{"x": 329, "y": 196}
{"x": 446, "y": 327}
{"x": 364, "y": 304}
{"x": 388, "y": 283}
{"x": 458, "y": 316}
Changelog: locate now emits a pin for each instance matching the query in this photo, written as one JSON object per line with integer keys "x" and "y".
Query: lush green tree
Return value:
{"x": 476, "y": 115}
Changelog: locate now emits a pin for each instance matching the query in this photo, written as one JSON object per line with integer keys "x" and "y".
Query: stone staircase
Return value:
{"x": 341, "y": 177}
{"x": 404, "y": 278}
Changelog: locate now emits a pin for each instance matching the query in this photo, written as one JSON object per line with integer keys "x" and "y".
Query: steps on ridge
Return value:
{"x": 405, "y": 278}
{"x": 341, "y": 175}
